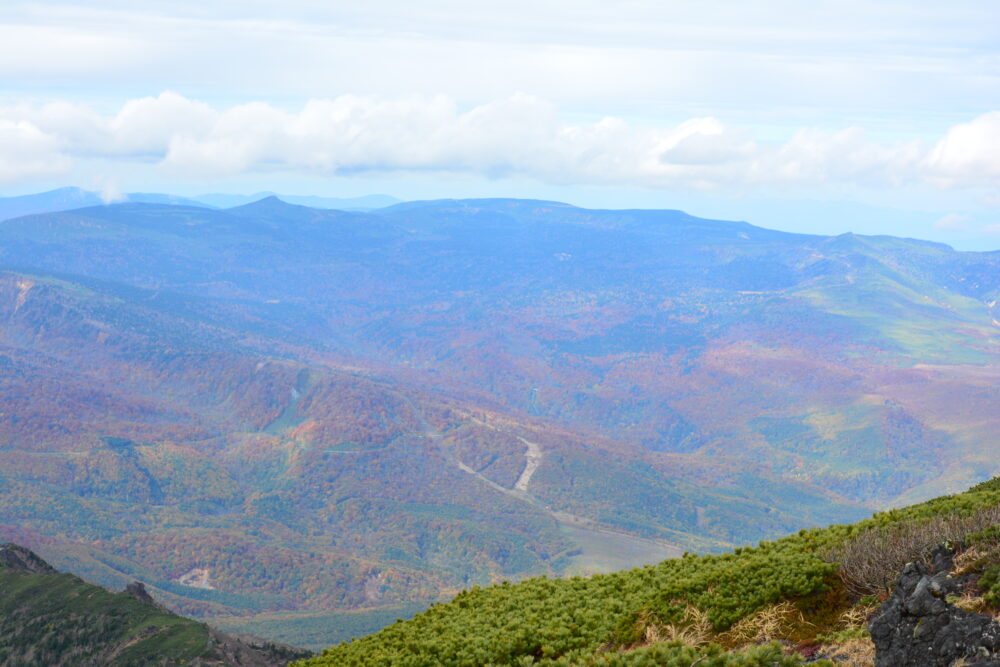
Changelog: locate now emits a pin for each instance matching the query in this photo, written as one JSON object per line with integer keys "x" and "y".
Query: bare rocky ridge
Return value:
{"x": 19, "y": 559}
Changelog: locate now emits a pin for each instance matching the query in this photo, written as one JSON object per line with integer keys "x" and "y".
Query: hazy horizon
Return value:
{"x": 821, "y": 119}
{"x": 837, "y": 220}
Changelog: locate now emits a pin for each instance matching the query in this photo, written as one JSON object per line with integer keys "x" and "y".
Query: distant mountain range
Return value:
{"x": 307, "y": 419}
{"x": 365, "y": 203}
{"x": 65, "y": 199}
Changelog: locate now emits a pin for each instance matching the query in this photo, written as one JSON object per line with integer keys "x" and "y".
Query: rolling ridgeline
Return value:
{"x": 305, "y": 423}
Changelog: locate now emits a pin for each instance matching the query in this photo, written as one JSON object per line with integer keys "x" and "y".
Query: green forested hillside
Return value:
{"x": 631, "y": 617}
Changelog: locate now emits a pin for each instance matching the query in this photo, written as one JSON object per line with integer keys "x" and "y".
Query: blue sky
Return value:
{"x": 821, "y": 117}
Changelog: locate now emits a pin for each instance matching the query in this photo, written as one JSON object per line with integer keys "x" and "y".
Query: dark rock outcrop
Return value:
{"x": 138, "y": 590}
{"x": 917, "y": 626}
{"x": 18, "y": 558}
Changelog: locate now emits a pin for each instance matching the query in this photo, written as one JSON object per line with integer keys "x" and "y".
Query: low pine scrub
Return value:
{"x": 623, "y": 618}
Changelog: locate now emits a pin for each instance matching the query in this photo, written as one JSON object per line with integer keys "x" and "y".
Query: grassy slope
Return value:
{"x": 48, "y": 618}
{"x": 571, "y": 621}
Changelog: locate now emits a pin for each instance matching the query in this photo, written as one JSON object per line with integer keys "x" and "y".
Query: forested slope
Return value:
{"x": 53, "y": 618}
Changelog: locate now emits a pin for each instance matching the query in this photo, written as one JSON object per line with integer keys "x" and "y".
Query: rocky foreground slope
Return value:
{"x": 918, "y": 625}
{"x": 918, "y": 586}
{"x": 52, "y": 618}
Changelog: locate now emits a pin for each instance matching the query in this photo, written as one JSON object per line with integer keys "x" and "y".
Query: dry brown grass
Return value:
{"x": 970, "y": 559}
{"x": 970, "y": 602}
{"x": 856, "y": 616}
{"x": 853, "y": 653}
{"x": 975, "y": 559}
{"x": 773, "y": 622}
{"x": 694, "y": 629}
{"x": 871, "y": 561}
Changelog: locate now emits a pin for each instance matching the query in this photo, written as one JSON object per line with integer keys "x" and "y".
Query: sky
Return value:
{"x": 823, "y": 117}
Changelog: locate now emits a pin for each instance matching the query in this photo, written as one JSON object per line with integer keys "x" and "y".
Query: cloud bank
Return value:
{"x": 520, "y": 135}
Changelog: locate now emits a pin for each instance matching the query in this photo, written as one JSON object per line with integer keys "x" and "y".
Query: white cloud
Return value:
{"x": 109, "y": 190}
{"x": 520, "y": 135}
{"x": 145, "y": 126}
{"x": 847, "y": 156}
{"x": 66, "y": 51}
{"x": 893, "y": 63}
{"x": 969, "y": 153}
{"x": 27, "y": 152}
{"x": 706, "y": 141}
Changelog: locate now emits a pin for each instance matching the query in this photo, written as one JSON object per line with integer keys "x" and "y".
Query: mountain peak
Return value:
{"x": 268, "y": 205}
{"x": 270, "y": 200}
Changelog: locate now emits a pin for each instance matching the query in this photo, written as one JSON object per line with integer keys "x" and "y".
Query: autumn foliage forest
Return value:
{"x": 275, "y": 410}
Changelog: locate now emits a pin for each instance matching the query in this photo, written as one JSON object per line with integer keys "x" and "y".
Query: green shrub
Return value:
{"x": 990, "y": 583}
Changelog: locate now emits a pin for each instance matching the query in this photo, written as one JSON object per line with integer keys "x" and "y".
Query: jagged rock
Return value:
{"x": 18, "y": 558}
{"x": 943, "y": 559}
{"x": 137, "y": 590}
{"x": 917, "y": 627}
